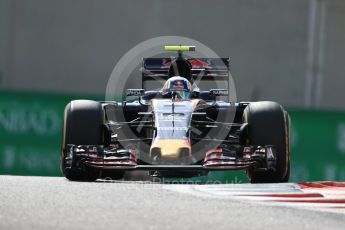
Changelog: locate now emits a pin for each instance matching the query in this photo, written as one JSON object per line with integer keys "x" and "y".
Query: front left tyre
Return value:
{"x": 269, "y": 124}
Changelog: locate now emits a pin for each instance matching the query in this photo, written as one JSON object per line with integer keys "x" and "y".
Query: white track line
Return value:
{"x": 321, "y": 196}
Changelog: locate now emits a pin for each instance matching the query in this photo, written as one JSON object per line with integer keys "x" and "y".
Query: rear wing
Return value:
{"x": 202, "y": 68}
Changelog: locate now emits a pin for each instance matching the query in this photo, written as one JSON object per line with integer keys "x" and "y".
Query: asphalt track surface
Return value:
{"x": 56, "y": 203}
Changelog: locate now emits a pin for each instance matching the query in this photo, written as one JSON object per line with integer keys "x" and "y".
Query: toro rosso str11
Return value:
{"x": 186, "y": 128}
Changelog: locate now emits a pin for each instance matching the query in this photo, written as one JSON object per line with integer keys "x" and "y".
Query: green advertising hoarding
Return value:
{"x": 318, "y": 145}
{"x": 30, "y": 132}
{"x": 31, "y": 125}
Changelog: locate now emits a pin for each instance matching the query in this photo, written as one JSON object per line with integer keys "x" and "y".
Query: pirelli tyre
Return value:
{"x": 269, "y": 124}
{"x": 83, "y": 122}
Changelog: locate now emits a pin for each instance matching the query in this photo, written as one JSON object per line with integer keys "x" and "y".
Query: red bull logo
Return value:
{"x": 196, "y": 63}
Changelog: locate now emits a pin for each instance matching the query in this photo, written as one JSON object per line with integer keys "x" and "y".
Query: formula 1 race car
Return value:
{"x": 186, "y": 128}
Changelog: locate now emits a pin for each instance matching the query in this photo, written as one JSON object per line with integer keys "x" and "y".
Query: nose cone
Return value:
{"x": 170, "y": 149}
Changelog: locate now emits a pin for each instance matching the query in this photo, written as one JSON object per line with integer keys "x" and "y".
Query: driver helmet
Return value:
{"x": 180, "y": 85}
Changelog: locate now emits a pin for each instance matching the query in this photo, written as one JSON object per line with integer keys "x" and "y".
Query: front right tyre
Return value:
{"x": 83, "y": 122}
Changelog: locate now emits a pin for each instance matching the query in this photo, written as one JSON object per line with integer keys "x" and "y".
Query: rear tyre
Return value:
{"x": 83, "y": 125}
{"x": 269, "y": 124}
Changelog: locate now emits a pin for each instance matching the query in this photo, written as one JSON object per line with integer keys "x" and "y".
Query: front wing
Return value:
{"x": 262, "y": 158}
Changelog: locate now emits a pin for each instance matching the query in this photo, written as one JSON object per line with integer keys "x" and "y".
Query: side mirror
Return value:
{"x": 199, "y": 116}
{"x": 135, "y": 92}
{"x": 219, "y": 92}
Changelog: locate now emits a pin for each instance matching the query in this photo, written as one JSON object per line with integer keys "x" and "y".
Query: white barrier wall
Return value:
{"x": 72, "y": 46}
